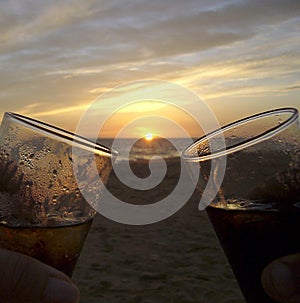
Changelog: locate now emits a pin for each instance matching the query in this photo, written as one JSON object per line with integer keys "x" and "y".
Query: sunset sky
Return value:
{"x": 56, "y": 57}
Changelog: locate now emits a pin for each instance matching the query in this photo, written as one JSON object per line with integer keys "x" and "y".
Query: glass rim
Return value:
{"x": 186, "y": 154}
{"x": 60, "y": 133}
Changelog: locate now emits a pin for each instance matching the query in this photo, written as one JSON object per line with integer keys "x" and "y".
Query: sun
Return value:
{"x": 148, "y": 137}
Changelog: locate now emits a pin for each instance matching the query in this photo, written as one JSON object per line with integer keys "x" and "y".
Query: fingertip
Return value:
{"x": 60, "y": 291}
{"x": 279, "y": 282}
{"x": 25, "y": 279}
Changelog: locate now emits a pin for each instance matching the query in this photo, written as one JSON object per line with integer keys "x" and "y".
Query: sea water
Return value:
{"x": 141, "y": 149}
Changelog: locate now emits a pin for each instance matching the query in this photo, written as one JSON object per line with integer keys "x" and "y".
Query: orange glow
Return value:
{"x": 148, "y": 137}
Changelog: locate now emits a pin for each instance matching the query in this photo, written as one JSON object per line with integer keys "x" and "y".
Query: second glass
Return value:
{"x": 42, "y": 211}
{"x": 256, "y": 213}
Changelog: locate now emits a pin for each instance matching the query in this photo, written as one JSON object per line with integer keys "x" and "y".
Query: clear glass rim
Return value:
{"x": 186, "y": 154}
{"x": 60, "y": 133}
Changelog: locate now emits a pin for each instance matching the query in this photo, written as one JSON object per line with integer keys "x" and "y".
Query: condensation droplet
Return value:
{"x": 66, "y": 189}
{"x": 77, "y": 192}
{"x": 54, "y": 199}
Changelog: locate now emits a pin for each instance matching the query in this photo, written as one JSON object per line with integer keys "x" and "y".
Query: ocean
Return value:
{"x": 141, "y": 149}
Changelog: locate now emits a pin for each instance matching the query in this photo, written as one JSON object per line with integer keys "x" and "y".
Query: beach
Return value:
{"x": 177, "y": 260}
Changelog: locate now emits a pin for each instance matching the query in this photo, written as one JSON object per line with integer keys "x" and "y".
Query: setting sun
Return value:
{"x": 148, "y": 137}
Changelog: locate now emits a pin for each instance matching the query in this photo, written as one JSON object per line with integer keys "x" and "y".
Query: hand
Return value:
{"x": 281, "y": 279}
{"x": 27, "y": 280}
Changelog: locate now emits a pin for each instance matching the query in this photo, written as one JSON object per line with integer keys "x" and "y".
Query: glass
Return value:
{"x": 256, "y": 212}
{"x": 42, "y": 211}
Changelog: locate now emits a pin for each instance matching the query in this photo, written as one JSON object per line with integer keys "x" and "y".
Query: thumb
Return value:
{"x": 281, "y": 279}
{"x": 27, "y": 280}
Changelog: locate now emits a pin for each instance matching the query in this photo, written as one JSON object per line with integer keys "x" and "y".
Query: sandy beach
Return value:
{"x": 178, "y": 260}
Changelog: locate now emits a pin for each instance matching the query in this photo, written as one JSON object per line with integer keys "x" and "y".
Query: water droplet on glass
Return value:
{"x": 54, "y": 199}
{"x": 66, "y": 189}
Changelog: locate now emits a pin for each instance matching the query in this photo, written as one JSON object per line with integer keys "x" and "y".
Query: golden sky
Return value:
{"x": 56, "y": 57}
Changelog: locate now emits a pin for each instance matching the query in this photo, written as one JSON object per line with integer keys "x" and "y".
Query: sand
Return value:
{"x": 178, "y": 260}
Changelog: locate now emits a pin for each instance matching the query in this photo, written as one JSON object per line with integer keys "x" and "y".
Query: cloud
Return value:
{"x": 79, "y": 33}
{"x": 23, "y": 23}
{"x": 293, "y": 88}
{"x": 60, "y": 55}
{"x": 136, "y": 31}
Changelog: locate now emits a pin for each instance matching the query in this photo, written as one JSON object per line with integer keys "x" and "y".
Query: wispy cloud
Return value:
{"x": 293, "y": 87}
{"x": 60, "y": 55}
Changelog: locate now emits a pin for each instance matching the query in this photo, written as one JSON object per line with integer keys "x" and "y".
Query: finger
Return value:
{"x": 27, "y": 280}
{"x": 281, "y": 279}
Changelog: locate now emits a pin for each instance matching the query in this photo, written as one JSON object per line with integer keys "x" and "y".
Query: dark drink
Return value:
{"x": 251, "y": 240}
{"x": 57, "y": 246}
